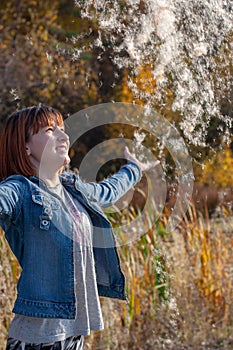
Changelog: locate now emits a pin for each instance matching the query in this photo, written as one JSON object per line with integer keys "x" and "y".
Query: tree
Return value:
{"x": 34, "y": 62}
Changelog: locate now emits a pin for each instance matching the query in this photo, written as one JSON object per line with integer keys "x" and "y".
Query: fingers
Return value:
{"x": 150, "y": 165}
{"x": 144, "y": 166}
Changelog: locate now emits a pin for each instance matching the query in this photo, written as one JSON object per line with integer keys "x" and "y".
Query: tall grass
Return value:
{"x": 179, "y": 285}
{"x": 9, "y": 271}
{"x": 180, "y": 290}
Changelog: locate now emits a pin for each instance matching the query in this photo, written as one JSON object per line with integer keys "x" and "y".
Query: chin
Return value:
{"x": 67, "y": 160}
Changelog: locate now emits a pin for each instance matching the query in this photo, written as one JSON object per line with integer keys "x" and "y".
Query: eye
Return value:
{"x": 61, "y": 128}
{"x": 50, "y": 128}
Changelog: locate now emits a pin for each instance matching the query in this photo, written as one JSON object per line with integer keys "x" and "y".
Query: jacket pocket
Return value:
{"x": 43, "y": 209}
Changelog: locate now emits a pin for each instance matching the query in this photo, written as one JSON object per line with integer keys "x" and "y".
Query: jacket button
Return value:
{"x": 45, "y": 222}
{"x": 47, "y": 211}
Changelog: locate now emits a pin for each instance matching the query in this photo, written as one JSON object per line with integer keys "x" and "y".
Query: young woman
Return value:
{"x": 56, "y": 229}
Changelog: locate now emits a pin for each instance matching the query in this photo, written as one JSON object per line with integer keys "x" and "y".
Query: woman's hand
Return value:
{"x": 143, "y": 166}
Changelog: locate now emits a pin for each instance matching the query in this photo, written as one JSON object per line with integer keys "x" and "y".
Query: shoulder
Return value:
{"x": 13, "y": 190}
{"x": 17, "y": 182}
{"x": 68, "y": 178}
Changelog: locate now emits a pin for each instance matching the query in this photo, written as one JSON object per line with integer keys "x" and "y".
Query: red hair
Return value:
{"x": 15, "y": 134}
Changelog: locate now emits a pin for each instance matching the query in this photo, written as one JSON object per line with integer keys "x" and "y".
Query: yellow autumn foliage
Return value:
{"x": 219, "y": 170}
{"x": 143, "y": 84}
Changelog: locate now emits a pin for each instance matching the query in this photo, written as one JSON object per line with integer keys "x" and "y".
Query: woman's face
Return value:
{"x": 49, "y": 147}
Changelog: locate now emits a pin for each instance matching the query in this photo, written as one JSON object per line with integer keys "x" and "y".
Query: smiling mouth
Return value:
{"x": 62, "y": 147}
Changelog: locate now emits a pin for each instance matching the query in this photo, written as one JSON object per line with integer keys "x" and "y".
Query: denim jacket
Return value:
{"x": 40, "y": 233}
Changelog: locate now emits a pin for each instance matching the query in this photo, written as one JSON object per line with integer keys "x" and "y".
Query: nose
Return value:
{"x": 62, "y": 136}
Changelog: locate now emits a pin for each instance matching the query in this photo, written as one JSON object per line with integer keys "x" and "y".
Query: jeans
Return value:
{"x": 71, "y": 343}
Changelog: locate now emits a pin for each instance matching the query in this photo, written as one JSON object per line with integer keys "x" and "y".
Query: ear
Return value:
{"x": 28, "y": 150}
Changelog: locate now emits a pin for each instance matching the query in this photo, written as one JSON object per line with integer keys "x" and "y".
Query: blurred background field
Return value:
{"x": 75, "y": 54}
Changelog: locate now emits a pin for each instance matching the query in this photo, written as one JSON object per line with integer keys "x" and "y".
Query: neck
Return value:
{"x": 51, "y": 180}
